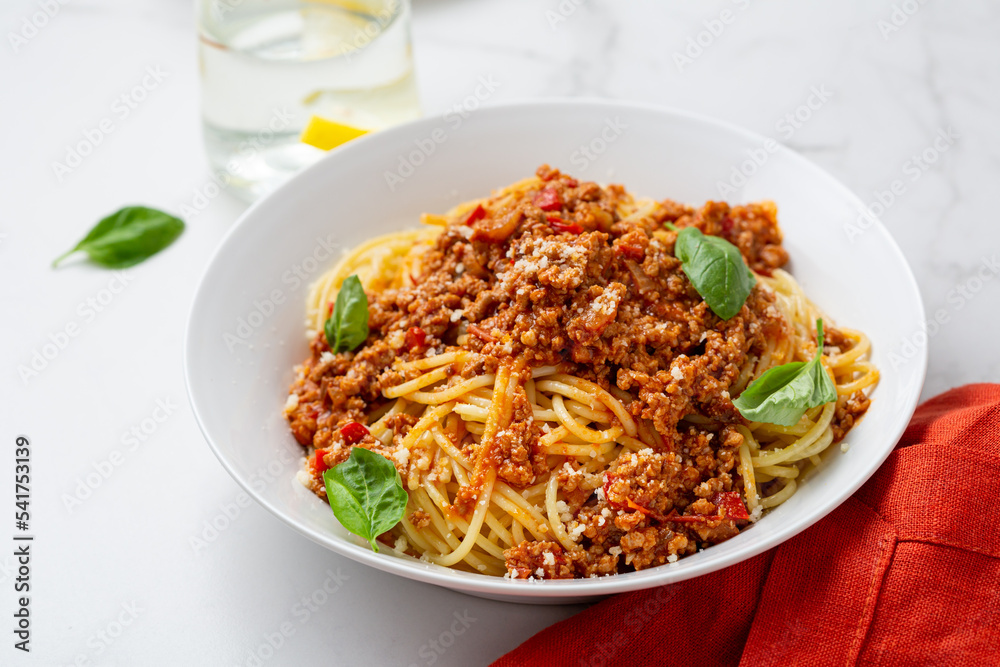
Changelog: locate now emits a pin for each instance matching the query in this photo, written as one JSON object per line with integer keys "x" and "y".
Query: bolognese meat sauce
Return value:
{"x": 558, "y": 278}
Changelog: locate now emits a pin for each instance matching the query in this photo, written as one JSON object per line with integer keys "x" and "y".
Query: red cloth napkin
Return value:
{"x": 905, "y": 572}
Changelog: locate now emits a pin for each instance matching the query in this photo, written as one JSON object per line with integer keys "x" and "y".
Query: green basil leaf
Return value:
{"x": 783, "y": 393}
{"x": 716, "y": 269}
{"x": 366, "y": 494}
{"x": 127, "y": 237}
{"x": 347, "y": 326}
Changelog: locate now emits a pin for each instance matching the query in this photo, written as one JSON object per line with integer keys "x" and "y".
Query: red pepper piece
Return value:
{"x": 730, "y": 506}
{"x": 559, "y": 225}
{"x": 572, "y": 182}
{"x": 482, "y": 333}
{"x": 633, "y": 505}
{"x": 353, "y": 432}
{"x": 630, "y": 251}
{"x": 548, "y": 200}
{"x": 478, "y": 213}
{"x": 319, "y": 463}
{"x": 416, "y": 338}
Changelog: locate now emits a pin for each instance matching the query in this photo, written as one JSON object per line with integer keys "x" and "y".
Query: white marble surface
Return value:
{"x": 117, "y": 580}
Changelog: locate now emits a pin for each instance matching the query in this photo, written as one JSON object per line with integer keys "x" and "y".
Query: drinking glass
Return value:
{"x": 268, "y": 66}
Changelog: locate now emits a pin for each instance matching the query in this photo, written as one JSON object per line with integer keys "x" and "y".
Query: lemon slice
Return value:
{"x": 327, "y": 134}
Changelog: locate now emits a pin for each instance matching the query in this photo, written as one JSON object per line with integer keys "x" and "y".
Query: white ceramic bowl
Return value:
{"x": 246, "y": 329}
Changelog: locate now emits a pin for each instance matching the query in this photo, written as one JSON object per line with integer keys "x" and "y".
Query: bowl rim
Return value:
{"x": 533, "y": 590}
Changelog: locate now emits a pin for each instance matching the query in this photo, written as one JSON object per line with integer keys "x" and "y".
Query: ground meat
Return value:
{"x": 420, "y": 519}
{"x": 540, "y": 560}
{"x": 849, "y": 410}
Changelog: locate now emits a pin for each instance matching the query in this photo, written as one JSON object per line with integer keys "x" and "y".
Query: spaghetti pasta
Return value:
{"x": 555, "y": 396}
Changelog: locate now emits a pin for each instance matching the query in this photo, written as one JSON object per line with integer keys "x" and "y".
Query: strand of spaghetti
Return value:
{"x": 484, "y": 471}
{"x": 580, "y": 431}
{"x": 858, "y": 349}
{"x": 529, "y": 515}
{"x": 789, "y": 472}
{"x": 600, "y": 463}
{"x": 555, "y": 522}
{"x": 543, "y": 371}
{"x": 517, "y": 530}
{"x": 604, "y": 397}
{"x": 474, "y": 526}
{"x": 448, "y": 541}
{"x": 478, "y": 408}
{"x": 747, "y": 473}
{"x": 464, "y": 526}
{"x": 480, "y": 562}
{"x": 750, "y": 438}
{"x": 776, "y": 429}
{"x": 440, "y": 521}
{"x": 817, "y": 447}
{"x": 502, "y": 533}
{"x": 474, "y": 398}
{"x": 582, "y": 451}
{"x": 869, "y": 378}
{"x": 648, "y": 436}
{"x": 850, "y": 370}
{"x": 553, "y": 436}
{"x": 416, "y": 383}
{"x": 632, "y": 443}
{"x": 455, "y": 356}
{"x": 452, "y": 392}
{"x": 518, "y": 508}
{"x": 599, "y": 416}
{"x": 775, "y": 456}
{"x": 781, "y": 496}
{"x": 558, "y": 387}
{"x": 430, "y": 418}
